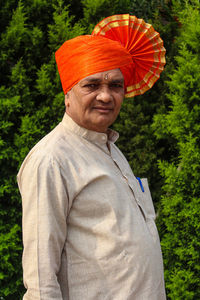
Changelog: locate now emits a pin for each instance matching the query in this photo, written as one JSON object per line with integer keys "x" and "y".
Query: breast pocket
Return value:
{"x": 147, "y": 207}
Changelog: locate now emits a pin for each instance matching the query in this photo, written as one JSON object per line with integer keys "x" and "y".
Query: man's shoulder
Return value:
{"x": 55, "y": 146}
{"x": 50, "y": 143}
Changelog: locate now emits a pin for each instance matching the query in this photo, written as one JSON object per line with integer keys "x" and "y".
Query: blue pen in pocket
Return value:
{"x": 140, "y": 182}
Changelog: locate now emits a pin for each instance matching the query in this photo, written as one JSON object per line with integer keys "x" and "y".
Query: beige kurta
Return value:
{"x": 88, "y": 229}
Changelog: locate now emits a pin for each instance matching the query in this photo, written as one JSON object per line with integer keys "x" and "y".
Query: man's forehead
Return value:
{"x": 114, "y": 74}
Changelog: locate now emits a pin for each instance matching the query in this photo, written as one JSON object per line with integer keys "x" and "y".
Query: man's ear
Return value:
{"x": 67, "y": 99}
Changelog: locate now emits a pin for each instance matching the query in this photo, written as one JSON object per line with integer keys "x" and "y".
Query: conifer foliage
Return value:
{"x": 179, "y": 217}
{"x": 32, "y": 103}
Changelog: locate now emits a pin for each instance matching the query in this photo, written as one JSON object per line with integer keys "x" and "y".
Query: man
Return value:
{"x": 88, "y": 225}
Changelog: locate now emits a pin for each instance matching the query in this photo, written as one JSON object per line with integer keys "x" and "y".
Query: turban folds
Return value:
{"x": 86, "y": 55}
{"x": 120, "y": 41}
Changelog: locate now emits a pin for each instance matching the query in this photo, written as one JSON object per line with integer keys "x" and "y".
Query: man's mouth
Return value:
{"x": 103, "y": 109}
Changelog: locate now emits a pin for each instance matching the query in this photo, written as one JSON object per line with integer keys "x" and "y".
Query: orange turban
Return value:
{"x": 86, "y": 55}
{"x": 120, "y": 41}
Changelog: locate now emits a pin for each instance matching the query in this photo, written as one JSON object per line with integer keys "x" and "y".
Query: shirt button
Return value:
{"x": 137, "y": 200}
{"x": 125, "y": 178}
{"x": 103, "y": 138}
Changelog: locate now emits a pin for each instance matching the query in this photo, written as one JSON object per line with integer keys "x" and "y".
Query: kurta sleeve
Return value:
{"x": 45, "y": 206}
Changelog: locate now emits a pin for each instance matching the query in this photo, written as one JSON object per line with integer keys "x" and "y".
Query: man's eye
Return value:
{"x": 91, "y": 86}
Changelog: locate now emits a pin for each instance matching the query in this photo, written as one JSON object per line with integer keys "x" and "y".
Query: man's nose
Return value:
{"x": 104, "y": 94}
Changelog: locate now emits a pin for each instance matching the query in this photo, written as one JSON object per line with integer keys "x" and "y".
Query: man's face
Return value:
{"x": 95, "y": 101}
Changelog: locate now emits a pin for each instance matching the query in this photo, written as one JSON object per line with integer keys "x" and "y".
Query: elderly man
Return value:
{"x": 88, "y": 223}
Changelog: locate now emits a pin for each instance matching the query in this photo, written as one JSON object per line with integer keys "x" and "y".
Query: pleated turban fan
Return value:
{"x": 119, "y": 41}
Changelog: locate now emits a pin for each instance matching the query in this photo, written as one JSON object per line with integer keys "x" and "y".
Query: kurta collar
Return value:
{"x": 93, "y": 136}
